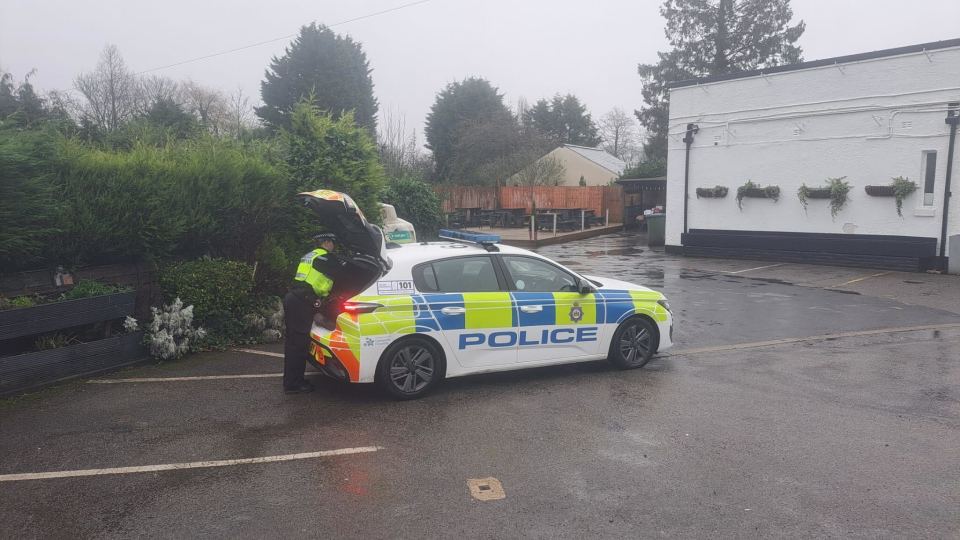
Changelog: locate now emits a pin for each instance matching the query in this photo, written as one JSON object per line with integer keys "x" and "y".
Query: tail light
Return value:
{"x": 360, "y": 307}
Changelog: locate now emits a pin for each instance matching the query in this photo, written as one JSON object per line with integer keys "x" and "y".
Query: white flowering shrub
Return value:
{"x": 171, "y": 334}
{"x": 130, "y": 324}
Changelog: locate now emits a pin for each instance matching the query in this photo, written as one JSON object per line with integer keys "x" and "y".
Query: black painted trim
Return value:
{"x": 909, "y": 253}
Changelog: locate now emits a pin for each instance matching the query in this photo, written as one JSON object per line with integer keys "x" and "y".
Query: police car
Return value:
{"x": 409, "y": 316}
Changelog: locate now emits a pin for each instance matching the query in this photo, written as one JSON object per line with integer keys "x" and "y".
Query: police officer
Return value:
{"x": 311, "y": 286}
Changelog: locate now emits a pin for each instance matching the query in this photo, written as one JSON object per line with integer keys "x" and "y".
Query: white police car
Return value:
{"x": 411, "y": 315}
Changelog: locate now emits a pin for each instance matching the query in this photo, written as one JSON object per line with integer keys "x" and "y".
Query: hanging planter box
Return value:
{"x": 759, "y": 193}
{"x": 35, "y": 369}
{"x": 68, "y": 313}
{"x": 717, "y": 192}
{"x": 818, "y": 193}
{"x": 881, "y": 191}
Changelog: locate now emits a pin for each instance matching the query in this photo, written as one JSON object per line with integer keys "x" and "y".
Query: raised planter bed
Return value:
{"x": 881, "y": 191}
{"x": 59, "y": 315}
{"x": 35, "y": 369}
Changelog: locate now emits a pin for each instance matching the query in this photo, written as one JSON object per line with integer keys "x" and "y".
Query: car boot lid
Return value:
{"x": 340, "y": 215}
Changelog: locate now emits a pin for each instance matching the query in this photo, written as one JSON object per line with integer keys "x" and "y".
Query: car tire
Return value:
{"x": 633, "y": 344}
{"x": 410, "y": 368}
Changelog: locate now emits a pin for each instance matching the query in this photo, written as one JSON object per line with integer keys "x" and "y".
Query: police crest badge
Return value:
{"x": 576, "y": 312}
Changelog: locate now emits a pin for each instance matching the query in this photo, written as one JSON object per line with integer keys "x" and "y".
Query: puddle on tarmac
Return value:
{"x": 771, "y": 280}
{"x": 691, "y": 275}
{"x": 618, "y": 251}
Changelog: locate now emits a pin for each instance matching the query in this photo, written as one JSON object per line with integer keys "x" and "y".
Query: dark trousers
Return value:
{"x": 298, "y": 319}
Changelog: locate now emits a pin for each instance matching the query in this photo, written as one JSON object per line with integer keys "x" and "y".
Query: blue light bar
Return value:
{"x": 467, "y": 236}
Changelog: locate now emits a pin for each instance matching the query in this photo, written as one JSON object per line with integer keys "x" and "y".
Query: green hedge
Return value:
{"x": 206, "y": 197}
{"x": 418, "y": 203}
{"x": 220, "y": 291}
{"x": 29, "y": 201}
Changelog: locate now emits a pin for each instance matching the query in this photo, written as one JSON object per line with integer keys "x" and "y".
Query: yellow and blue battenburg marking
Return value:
{"x": 576, "y": 315}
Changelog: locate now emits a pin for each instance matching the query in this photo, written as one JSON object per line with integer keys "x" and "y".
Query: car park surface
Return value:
{"x": 784, "y": 410}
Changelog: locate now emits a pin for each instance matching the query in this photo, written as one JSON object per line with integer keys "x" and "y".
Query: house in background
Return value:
{"x": 595, "y": 165}
{"x": 867, "y": 117}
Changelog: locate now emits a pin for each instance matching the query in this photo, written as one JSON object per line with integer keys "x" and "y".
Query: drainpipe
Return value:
{"x": 692, "y": 129}
{"x": 953, "y": 118}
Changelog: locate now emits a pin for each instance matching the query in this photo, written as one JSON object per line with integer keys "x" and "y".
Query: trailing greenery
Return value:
{"x": 749, "y": 189}
{"x": 219, "y": 290}
{"x": 836, "y": 190}
{"x": 902, "y": 187}
{"x": 418, "y": 203}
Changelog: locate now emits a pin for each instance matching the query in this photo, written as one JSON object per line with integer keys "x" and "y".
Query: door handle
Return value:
{"x": 450, "y": 310}
{"x": 531, "y": 309}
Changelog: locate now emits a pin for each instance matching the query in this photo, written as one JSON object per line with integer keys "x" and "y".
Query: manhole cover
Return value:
{"x": 486, "y": 489}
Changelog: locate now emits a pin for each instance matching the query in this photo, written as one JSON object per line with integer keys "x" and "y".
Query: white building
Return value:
{"x": 867, "y": 117}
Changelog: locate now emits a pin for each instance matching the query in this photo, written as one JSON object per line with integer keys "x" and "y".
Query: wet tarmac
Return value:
{"x": 852, "y": 436}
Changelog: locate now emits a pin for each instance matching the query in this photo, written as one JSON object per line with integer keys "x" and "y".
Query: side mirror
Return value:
{"x": 586, "y": 287}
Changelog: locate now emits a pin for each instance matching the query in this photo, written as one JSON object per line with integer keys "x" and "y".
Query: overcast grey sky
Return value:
{"x": 529, "y": 48}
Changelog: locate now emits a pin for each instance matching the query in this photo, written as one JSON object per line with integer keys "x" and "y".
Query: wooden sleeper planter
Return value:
{"x": 35, "y": 369}
{"x": 32, "y": 370}
{"x": 59, "y": 315}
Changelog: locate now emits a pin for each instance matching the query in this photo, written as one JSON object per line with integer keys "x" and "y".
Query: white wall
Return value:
{"x": 869, "y": 121}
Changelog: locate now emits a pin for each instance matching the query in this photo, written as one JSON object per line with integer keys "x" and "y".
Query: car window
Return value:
{"x": 536, "y": 275}
{"x": 462, "y": 274}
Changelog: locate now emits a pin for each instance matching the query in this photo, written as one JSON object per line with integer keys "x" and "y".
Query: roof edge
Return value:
{"x": 883, "y": 53}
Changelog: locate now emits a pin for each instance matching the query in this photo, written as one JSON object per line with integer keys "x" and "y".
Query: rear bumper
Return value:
{"x": 328, "y": 363}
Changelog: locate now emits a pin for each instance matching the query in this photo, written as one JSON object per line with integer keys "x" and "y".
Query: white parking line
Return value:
{"x": 858, "y": 280}
{"x": 822, "y": 337}
{"x": 757, "y": 268}
{"x": 262, "y": 353}
{"x": 191, "y": 465}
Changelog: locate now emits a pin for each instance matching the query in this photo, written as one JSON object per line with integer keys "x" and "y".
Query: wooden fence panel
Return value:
{"x": 453, "y": 197}
{"x": 596, "y": 198}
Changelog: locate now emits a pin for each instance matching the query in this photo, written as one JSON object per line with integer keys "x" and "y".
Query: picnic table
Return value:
{"x": 507, "y": 217}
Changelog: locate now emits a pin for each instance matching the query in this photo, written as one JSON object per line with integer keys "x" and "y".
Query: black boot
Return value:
{"x": 302, "y": 388}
